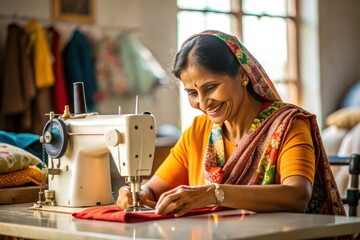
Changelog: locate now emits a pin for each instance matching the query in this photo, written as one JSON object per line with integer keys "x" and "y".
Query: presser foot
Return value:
{"x": 139, "y": 208}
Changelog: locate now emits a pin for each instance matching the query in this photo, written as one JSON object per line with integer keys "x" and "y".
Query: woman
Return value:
{"x": 249, "y": 150}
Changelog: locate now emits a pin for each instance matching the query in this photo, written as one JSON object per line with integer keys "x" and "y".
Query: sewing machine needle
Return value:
{"x": 137, "y": 104}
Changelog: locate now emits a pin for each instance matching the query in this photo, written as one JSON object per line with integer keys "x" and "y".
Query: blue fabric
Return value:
{"x": 78, "y": 67}
{"x": 352, "y": 98}
{"x": 27, "y": 141}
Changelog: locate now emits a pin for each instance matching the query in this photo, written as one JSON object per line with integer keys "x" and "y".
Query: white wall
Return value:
{"x": 329, "y": 53}
{"x": 339, "y": 50}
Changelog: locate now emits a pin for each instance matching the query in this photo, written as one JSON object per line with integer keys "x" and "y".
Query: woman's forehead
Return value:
{"x": 195, "y": 75}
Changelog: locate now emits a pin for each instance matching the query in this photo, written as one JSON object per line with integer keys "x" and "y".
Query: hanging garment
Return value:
{"x": 59, "y": 90}
{"x": 143, "y": 70}
{"x": 42, "y": 57}
{"x": 18, "y": 88}
{"x": 111, "y": 77}
{"x": 78, "y": 67}
{"x": 43, "y": 74}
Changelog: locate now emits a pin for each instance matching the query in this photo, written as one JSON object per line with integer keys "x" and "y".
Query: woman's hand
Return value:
{"x": 182, "y": 199}
{"x": 125, "y": 200}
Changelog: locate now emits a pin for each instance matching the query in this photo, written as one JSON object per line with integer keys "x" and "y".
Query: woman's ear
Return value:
{"x": 244, "y": 79}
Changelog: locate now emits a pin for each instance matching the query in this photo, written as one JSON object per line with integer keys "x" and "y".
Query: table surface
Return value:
{"x": 17, "y": 220}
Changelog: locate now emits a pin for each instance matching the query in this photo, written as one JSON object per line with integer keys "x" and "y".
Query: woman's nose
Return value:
{"x": 202, "y": 102}
{"x": 197, "y": 102}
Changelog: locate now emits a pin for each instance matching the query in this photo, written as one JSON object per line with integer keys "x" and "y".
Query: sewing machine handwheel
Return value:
{"x": 56, "y": 147}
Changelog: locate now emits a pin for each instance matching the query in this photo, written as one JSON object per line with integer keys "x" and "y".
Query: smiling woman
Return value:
{"x": 249, "y": 150}
{"x": 267, "y": 27}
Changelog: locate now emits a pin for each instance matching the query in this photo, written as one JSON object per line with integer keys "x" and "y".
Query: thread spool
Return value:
{"x": 79, "y": 98}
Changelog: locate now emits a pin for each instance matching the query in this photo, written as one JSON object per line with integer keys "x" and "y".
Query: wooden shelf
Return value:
{"x": 19, "y": 195}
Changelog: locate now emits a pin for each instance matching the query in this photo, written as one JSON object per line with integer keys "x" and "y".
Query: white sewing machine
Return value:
{"x": 79, "y": 146}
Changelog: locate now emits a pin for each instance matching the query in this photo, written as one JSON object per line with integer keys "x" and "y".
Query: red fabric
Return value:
{"x": 60, "y": 94}
{"x": 113, "y": 214}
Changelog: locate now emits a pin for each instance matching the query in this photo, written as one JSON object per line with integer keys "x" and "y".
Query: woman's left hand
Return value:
{"x": 182, "y": 199}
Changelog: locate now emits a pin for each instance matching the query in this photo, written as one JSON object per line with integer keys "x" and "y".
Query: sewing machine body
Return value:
{"x": 84, "y": 177}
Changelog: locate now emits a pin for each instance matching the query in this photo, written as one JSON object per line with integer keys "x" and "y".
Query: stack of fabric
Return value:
{"x": 20, "y": 163}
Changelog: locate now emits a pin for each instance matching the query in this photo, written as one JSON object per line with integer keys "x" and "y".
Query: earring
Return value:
{"x": 244, "y": 83}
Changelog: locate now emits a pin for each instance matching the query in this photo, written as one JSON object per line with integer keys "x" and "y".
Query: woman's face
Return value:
{"x": 218, "y": 96}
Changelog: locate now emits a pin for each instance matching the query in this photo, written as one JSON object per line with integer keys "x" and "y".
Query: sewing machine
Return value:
{"x": 79, "y": 145}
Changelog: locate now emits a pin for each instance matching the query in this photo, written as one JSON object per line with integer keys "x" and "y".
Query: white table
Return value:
{"x": 16, "y": 220}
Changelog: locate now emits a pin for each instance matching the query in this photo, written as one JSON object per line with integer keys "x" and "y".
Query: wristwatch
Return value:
{"x": 219, "y": 194}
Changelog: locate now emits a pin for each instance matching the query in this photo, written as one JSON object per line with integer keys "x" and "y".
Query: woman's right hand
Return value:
{"x": 125, "y": 200}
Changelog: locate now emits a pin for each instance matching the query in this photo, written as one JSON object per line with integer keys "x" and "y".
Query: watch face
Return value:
{"x": 219, "y": 193}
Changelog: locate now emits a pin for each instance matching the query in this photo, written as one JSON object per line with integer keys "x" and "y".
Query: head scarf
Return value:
{"x": 255, "y": 159}
{"x": 259, "y": 79}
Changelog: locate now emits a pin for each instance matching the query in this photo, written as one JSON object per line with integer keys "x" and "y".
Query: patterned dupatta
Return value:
{"x": 255, "y": 158}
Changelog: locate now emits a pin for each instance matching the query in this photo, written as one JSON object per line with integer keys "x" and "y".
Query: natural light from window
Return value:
{"x": 265, "y": 37}
{"x": 190, "y": 23}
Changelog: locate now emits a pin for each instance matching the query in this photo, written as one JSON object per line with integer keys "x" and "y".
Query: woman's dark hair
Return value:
{"x": 212, "y": 54}
{"x": 207, "y": 52}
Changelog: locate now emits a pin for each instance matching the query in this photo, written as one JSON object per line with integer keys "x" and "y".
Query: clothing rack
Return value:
{"x": 16, "y": 17}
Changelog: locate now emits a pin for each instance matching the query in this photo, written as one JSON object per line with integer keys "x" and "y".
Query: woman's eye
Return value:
{"x": 192, "y": 94}
{"x": 211, "y": 88}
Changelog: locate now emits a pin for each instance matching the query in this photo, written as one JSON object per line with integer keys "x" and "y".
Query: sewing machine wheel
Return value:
{"x": 56, "y": 138}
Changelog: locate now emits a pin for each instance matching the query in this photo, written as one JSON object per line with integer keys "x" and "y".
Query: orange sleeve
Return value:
{"x": 174, "y": 169}
{"x": 184, "y": 164}
{"x": 297, "y": 156}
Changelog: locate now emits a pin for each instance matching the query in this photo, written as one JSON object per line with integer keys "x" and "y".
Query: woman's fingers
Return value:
{"x": 169, "y": 205}
{"x": 178, "y": 201}
{"x": 165, "y": 194}
{"x": 182, "y": 210}
{"x": 124, "y": 198}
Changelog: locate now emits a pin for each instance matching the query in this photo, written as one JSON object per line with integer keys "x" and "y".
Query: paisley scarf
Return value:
{"x": 255, "y": 158}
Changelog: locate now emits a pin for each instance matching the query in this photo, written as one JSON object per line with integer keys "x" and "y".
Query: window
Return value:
{"x": 267, "y": 28}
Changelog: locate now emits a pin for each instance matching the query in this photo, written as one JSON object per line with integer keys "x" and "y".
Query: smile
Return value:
{"x": 214, "y": 110}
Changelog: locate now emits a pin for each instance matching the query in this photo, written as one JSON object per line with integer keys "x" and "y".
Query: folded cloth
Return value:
{"x": 28, "y": 176}
{"x": 114, "y": 214}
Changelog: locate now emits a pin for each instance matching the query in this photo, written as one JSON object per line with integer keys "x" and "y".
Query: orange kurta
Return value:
{"x": 184, "y": 165}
